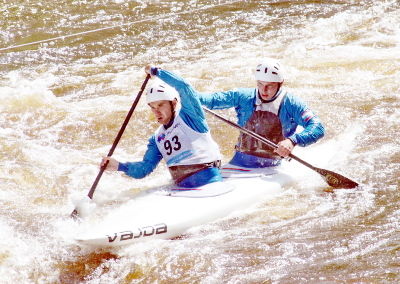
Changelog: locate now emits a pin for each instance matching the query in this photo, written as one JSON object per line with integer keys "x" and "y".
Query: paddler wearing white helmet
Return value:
{"x": 163, "y": 101}
{"x": 183, "y": 138}
{"x": 269, "y": 76}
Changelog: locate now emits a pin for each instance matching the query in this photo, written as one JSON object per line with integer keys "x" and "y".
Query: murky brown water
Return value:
{"x": 63, "y": 101}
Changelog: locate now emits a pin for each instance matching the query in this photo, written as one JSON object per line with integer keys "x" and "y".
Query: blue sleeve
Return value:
{"x": 191, "y": 111}
{"x": 242, "y": 99}
{"x": 143, "y": 168}
{"x": 305, "y": 117}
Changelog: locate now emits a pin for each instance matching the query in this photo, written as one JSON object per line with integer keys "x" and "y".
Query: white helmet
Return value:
{"x": 161, "y": 92}
{"x": 269, "y": 70}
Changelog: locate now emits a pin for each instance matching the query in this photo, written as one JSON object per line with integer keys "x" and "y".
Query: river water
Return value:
{"x": 64, "y": 100}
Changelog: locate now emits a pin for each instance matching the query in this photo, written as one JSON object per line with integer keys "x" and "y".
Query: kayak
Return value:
{"x": 169, "y": 211}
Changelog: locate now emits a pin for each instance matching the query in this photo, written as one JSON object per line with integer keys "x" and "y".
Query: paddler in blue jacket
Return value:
{"x": 268, "y": 110}
{"x": 183, "y": 138}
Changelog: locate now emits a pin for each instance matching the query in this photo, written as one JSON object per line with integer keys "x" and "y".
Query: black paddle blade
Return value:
{"x": 336, "y": 180}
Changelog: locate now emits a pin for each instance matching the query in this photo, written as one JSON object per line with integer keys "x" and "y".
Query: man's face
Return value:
{"x": 163, "y": 110}
{"x": 267, "y": 89}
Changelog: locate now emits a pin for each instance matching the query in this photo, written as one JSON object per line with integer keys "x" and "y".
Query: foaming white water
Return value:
{"x": 22, "y": 94}
{"x": 25, "y": 249}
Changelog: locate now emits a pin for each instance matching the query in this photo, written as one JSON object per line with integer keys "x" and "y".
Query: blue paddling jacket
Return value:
{"x": 293, "y": 112}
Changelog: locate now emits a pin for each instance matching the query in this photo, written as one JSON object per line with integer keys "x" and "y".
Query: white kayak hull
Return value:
{"x": 168, "y": 212}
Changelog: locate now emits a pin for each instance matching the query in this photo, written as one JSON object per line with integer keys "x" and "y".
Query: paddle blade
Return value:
{"x": 336, "y": 180}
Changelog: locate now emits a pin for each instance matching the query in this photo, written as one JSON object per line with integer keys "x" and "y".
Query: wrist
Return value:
{"x": 293, "y": 141}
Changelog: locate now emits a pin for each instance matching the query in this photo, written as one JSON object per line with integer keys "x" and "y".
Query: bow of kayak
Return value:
{"x": 168, "y": 212}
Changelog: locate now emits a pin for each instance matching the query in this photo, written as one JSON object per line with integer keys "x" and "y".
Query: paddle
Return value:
{"x": 74, "y": 213}
{"x": 333, "y": 179}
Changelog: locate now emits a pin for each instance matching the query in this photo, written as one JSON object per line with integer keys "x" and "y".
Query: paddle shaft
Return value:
{"x": 333, "y": 179}
{"x": 116, "y": 141}
{"x": 258, "y": 137}
{"x": 244, "y": 130}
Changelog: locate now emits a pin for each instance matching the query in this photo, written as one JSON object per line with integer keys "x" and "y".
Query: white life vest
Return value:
{"x": 181, "y": 145}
